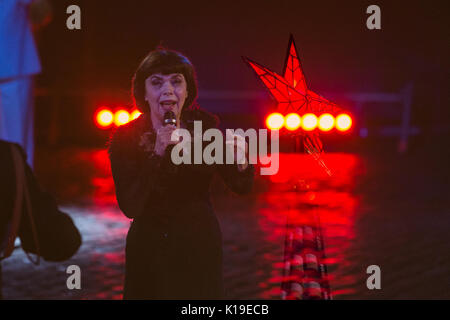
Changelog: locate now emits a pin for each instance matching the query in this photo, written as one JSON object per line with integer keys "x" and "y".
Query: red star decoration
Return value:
{"x": 292, "y": 95}
{"x": 290, "y": 90}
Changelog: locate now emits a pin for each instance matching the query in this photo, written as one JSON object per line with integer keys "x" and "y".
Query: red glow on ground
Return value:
{"x": 299, "y": 193}
{"x": 102, "y": 181}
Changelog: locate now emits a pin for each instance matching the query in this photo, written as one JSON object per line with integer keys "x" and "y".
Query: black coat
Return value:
{"x": 174, "y": 245}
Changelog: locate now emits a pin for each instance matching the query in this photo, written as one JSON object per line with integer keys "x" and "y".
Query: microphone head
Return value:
{"x": 170, "y": 118}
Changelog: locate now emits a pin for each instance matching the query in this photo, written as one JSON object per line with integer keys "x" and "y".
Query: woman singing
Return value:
{"x": 174, "y": 245}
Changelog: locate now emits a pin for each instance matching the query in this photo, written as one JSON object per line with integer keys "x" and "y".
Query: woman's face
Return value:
{"x": 165, "y": 93}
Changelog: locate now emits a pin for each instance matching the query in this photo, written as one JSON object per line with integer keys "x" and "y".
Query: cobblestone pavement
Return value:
{"x": 101, "y": 260}
{"x": 370, "y": 214}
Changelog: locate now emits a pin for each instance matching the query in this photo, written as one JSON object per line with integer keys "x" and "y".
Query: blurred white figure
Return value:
{"x": 19, "y": 62}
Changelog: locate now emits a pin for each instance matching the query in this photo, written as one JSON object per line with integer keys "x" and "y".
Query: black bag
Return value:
{"x": 43, "y": 229}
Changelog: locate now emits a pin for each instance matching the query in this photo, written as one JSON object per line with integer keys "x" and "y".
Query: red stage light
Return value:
{"x": 275, "y": 121}
{"x": 343, "y": 122}
{"x": 309, "y": 122}
{"x": 104, "y": 118}
{"x": 293, "y": 121}
{"x": 326, "y": 122}
{"x": 135, "y": 114}
{"x": 121, "y": 117}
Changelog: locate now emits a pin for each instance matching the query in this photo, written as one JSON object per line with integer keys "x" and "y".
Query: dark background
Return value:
{"x": 93, "y": 66}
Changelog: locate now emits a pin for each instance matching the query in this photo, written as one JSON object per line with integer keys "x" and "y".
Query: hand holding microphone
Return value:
{"x": 240, "y": 149}
{"x": 164, "y": 134}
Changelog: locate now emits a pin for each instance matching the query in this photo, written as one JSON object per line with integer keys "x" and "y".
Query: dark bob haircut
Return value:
{"x": 164, "y": 61}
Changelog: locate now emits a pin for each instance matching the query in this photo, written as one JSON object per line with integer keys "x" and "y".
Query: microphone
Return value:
{"x": 169, "y": 118}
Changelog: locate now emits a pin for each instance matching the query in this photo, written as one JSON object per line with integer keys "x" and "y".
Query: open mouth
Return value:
{"x": 170, "y": 103}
